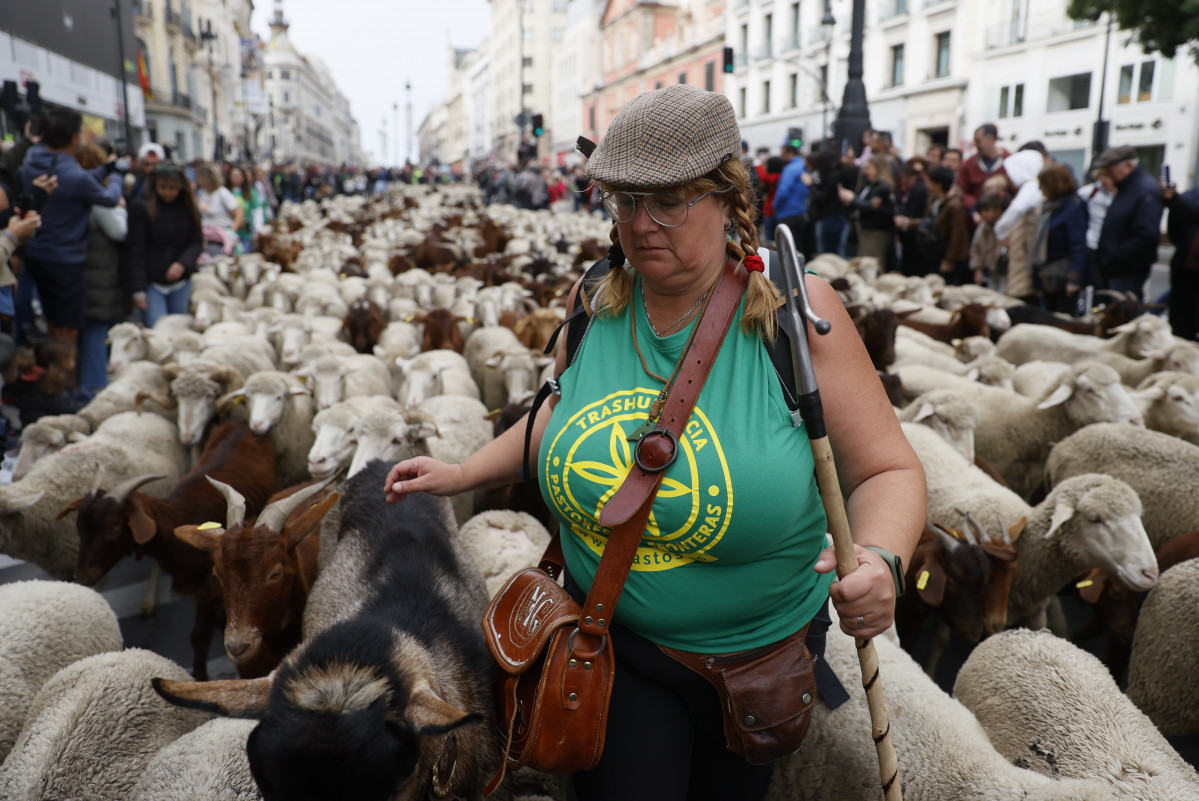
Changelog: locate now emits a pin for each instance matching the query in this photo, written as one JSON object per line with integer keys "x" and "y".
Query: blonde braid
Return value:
{"x": 616, "y": 289}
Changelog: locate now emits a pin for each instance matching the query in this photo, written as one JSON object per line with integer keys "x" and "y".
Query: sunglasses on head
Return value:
{"x": 168, "y": 168}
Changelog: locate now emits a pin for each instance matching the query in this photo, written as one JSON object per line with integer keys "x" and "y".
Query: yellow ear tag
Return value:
{"x": 239, "y": 399}
{"x": 410, "y": 318}
{"x": 470, "y": 320}
{"x": 209, "y": 526}
{"x": 922, "y": 581}
{"x": 1082, "y": 585}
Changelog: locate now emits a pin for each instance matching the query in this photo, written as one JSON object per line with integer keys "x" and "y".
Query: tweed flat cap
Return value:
{"x": 667, "y": 137}
{"x": 1114, "y": 155}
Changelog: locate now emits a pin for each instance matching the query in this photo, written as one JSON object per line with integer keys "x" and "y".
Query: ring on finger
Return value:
{"x": 861, "y": 622}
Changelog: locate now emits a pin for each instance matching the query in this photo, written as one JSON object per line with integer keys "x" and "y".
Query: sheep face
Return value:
{"x": 333, "y": 448}
{"x": 1173, "y": 403}
{"x": 327, "y": 379}
{"x": 35, "y": 447}
{"x": 420, "y": 382}
{"x": 391, "y": 437}
{"x": 207, "y": 312}
{"x": 1182, "y": 359}
{"x": 128, "y": 344}
{"x": 197, "y": 397}
{"x": 1094, "y": 394}
{"x": 1105, "y": 515}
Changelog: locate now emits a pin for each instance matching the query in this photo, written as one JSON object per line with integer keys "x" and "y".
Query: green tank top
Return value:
{"x": 726, "y": 560}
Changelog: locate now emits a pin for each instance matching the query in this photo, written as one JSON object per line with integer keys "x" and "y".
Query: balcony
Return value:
{"x": 740, "y": 59}
{"x": 1005, "y": 35}
{"x": 189, "y": 33}
{"x": 142, "y": 8}
{"x": 819, "y": 35}
{"x": 789, "y": 43}
{"x": 740, "y": 5}
{"x": 764, "y": 52}
{"x": 931, "y": 3}
{"x": 173, "y": 18}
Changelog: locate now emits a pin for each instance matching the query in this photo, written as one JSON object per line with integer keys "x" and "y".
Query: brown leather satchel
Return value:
{"x": 555, "y": 660}
{"x": 766, "y": 694}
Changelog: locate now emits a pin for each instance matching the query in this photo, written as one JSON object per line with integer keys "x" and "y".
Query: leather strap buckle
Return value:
{"x": 656, "y": 461}
{"x": 570, "y": 643}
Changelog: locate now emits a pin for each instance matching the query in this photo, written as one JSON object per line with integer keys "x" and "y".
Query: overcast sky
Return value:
{"x": 374, "y": 46}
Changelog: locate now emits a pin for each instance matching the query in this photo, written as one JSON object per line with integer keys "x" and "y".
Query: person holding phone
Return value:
{"x": 54, "y": 257}
{"x": 163, "y": 244}
{"x": 16, "y": 226}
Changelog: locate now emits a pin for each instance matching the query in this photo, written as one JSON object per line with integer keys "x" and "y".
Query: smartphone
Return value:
{"x": 24, "y": 203}
{"x": 1166, "y": 174}
{"x": 844, "y": 147}
{"x": 53, "y": 166}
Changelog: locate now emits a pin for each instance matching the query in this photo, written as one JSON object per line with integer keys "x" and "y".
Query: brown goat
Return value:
{"x": 125, "y": 522}
{"x": 441, "y": 331}
{"x": 265, "y": 568}
{"x": 877, "y": 330}
{"x": 968, "y": 321}
{"x": 363, "y": 324}
{"x": 535, "y": 329}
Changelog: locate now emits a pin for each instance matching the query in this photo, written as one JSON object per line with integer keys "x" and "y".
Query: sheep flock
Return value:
{"x": 1062, "y": 458}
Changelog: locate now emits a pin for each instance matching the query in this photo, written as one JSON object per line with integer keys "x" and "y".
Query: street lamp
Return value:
{"x": 407, "y": 121}
{"x": 395, "y": 110}
{"x": 854, "y": 117}
{"x": 115, "y": 11}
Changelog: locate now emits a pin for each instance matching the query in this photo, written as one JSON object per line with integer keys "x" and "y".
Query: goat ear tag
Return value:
{"x": 1082, "y": 585}
{"x": 922, "y": 581}
{"x": 207, "y": 526}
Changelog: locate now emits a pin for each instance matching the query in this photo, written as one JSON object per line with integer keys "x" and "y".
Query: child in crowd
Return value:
{"x": 163, "y": 243}
{"x": 986, "y": 253}
{"x": 44, "y": 381}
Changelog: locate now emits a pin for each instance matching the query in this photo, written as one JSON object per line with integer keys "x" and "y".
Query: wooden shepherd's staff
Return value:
{"x": 798, "y": 310}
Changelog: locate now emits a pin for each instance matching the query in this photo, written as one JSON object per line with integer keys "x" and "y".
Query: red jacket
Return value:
{"x": 769, "y": 182}
{"x": 972, "y": 176}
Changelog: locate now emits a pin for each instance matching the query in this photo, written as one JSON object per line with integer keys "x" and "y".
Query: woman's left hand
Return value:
{"x": 867, "y": 593}
{"x": 846, "y": 195}
{"x": 174, "y": 272}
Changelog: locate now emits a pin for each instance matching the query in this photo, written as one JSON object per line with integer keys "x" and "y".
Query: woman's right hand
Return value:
{"x": 23, "y": 227}
{"x": 423, "y": 474}
{"x": 175, "y": 272}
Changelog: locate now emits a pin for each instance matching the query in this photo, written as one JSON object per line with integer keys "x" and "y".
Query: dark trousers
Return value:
{"x": 1125, "y": 283}
{"x": 802, "y": 232}
{"x": 63, "y": 290}
{"x": 1184, "y": 302}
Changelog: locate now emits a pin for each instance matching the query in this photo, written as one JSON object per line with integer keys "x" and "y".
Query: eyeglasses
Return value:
{"x": 665, "y": 208}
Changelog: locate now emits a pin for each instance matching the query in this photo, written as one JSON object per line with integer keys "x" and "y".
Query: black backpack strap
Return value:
{"x": 575, "y": 330}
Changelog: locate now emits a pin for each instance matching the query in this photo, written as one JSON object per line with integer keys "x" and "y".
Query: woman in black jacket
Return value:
{"x": 164, "y": 242}
{"x": 107, "y": 293}
{"x": 874, "y": 205}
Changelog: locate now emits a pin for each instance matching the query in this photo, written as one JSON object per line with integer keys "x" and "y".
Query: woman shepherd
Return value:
{"x": 734, "y": 555}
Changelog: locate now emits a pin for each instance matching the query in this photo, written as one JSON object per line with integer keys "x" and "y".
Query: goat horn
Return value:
{"x": 164, "y": 401}
{"x": 949, "y": 542}
{"x": 966, "y": 524}
{"x": 978, "y": 529}
{"x": 274, "y": 516}
{"x": 97, "y": 480}
{"x": 235, "y": 501}
{"x": 121, "y": 492}
{"x": 1003, "y": 532}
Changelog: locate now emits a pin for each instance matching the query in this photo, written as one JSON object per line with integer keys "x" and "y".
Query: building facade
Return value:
{"x": 576, "y": 72}
{"x": 478, "y": 81}
{"x": 645, "y": 45}
{"x": 166, "y": 48}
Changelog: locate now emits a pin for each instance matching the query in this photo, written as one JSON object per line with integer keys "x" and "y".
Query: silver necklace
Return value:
{"x": 670, "y": 328}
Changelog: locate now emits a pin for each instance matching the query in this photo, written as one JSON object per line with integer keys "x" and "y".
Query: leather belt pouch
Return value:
{"x": 766, "y": 694}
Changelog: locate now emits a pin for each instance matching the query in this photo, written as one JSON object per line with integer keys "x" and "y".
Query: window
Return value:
{"x": 1070, "y": 92}
{"x": 527, "y": 61}
{"x": 942, "y": 54}
{"x": 285, "y": 75}
{"x": 741, "y": 100}
{"x": 824, "y": 82}
{"x": 897, "y": 65}
{"x": 286, "y": 97}
{"x": 591, "y": 118}
{"x": 1144, "y": 83}
{"x": 682, "y": 77}
{"x": 556, "y": 34}
{"x": 526, "y": 88}
{"x": 794, "y": 27}
{"x": 657, "y": 84}
{"x": 793, "y": 90}
{"x": 1125, "y": 92}
{"x": 710, "y": 76}
{"x": 1145, "y": 87}
{"x": 767, "y": 35}
{"x": 528, "y": 34}
{"x": 745, "y": 38}
{"x": 1011, "y": 101}
{"x": 765, "y": 97}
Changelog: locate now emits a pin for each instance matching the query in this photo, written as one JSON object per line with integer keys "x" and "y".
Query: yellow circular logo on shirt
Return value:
{"x": 593, "y": 453}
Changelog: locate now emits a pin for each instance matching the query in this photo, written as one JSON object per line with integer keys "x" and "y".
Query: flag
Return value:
{"x": 143, "y": 75}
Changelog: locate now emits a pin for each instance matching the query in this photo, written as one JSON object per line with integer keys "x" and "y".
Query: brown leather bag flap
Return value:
{"x": 523, "y": 616}
{"x": 765, "y": 692}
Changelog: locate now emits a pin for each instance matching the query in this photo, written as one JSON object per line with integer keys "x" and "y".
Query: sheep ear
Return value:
{"x": 1149, "y": 394}
{"x": 204, "y": 537}
{"x": 421, "y": 426}
{"x": 236, "y": 698}
{"x": 542, "y": 361}
{"x": 972, "y": 374}
{"x": 926, "y": 411}
{"x": 1059, "y": 396}
{"x": 1061, "y": 513}
{"x": 141, "y": 524}
{"x": 379, "y": 352}
{"x": 298, "y": 391}
{"x": 1016, "y": 529}
{"x": 493, "y": 360}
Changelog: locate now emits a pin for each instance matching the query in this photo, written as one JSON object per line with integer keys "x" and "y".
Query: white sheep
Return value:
{"x": 45, "y": 436}
{"x": 336, "y": 378}
{"x": 503, "y": 368}
{"x": 207, "y": 763}
{"x": 1165, "y": 656}
{"x": 335, "y": 432}
{"x": 502, "y": 542}
{"x": 121, "y": 395}
{"x": 30, "y": 527}
{"x": 94, "y": 727}
{"x": 131, "y": 343}
{"x": 943, "y": 752}
{"x": 975, "y": 347}
{"x": 279, "y": 404}
{"x": 948, "y": 413}
{"x": 1163, "y": 470}
{"x": 45, "y": 626}
{"x": 1054, "y": 708}
{"x": 1089, "y": 521}
{"x": 1015, "y": 432}
{"x": 246, "y": 354}
{"x": 1169, "y": 402}
{"x": 1138, "y": 339}
{"x": 195, "y": 390}
{"x": 435, "y": 372}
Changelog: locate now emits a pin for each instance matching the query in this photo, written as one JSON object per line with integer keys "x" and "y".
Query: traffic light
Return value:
{"x": 538, "y": 125}
{"x": 795, "y": 137}
{"x": 728, "y": 59}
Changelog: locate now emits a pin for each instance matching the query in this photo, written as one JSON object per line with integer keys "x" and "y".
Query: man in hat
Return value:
{"x": 1132, "y": 228}
{"x": 148, "y": 155}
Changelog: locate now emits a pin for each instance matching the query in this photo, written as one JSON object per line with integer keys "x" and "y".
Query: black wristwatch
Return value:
{"x": 896, "y": 565}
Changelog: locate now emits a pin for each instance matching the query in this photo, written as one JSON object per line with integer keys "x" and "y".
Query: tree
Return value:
{"x": 1160, "y": 26}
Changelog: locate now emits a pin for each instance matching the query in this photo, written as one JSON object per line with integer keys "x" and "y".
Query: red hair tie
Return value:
{"x": 753, "y": 263}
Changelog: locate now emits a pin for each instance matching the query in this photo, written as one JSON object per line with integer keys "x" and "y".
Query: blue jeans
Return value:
{"x": 1127, "y": 283}
{"x": 93, "y": 354}
{"x": 159, "y": 304}
{"x": 832, "y": 230}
